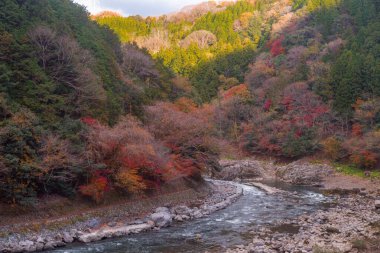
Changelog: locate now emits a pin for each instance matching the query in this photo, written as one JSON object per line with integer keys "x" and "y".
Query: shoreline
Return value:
{"x": 345, "y": 227}
{"x": 223, "y": 194}
{"x": 351, "y": 225}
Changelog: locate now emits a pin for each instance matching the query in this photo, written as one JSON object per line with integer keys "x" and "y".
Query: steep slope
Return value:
{"x": 66, "y": 85}
{"x": 288, "y": 78}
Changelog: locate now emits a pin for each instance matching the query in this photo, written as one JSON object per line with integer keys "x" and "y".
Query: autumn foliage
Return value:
{"x": 236, "y": 91}
{"x": 276, "y": 47}
{"x": 95, "y": 189}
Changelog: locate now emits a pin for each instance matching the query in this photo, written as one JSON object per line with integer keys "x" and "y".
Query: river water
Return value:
{"x": 222, "y": 229}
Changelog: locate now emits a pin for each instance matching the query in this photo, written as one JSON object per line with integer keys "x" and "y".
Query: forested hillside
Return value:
{"x": 112, "y": 104}
{"x": 66, "y": 86}
{"x": 288, "y": 78}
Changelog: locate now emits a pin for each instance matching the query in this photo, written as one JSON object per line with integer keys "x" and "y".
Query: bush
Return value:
{"x": 332, "y": 148}
{"x": 19, "y": 168}
{"x": 95, "y": 189}
{"x": 364, "y": 159}
{"x": 32, "y": 164}
{"x": 299, "y": 143}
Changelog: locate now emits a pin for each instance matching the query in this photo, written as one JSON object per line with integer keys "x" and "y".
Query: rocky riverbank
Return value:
{"x": 343, "y": 228}
{"x": 223, "y": 194}
{"x": 348, "y": 226}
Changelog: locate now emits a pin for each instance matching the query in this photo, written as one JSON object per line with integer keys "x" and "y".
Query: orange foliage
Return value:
{"x": 357, "y": 130}
{"x": 127, "y": 153}
{"x": 130, "y": 181}
{"x": 95, "y": 189}
{"x": 365, "y": 159}
{"x": 237, "y": 91}
{"x": 185, "y": 104}
{"x": 187, "y": 136}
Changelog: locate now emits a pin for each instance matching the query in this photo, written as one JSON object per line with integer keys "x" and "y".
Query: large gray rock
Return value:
{"x": 162, "y": 217}
{"x": 302, "y": 173}
{"x": 181, "y": 210}
{"x": 162, "y": 209}
{"x": 67, "y": 237}
{"x": 241, "y": 169}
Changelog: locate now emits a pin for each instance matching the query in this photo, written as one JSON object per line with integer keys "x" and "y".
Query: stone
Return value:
{"x": 93, "y": 223}
{"x": 161, "y": 219}
{"x": 39, "y": 246}
{"x": 197, "y": 214}
{"x": 162, "y": 209}
{"x": 112, "y": 224}
{"x": 235, "y": 170}
{"x": 181, "y": 210}
{"x": 67, "y": 238}
{"x": 27, "y": 246}
{"x": 49, "y": 245}
{"x": 178, "y": 218}
{"x": 301, "y": 173}
{"x": 377, "y": 204}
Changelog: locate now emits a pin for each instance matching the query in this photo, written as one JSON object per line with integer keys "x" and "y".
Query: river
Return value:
{"x": 225, "y": 228}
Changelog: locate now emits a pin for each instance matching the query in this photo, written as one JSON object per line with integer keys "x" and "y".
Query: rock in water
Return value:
{"x": 162, "y": 217}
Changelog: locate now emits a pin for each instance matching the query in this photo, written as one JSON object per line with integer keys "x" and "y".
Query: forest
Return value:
{"x": 96, "y": 104}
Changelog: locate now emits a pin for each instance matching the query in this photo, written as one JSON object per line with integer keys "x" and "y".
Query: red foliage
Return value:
{"x": 299, "y": 133}
{"x": 265, "y": 144}
{"x": 95, "y": 189}
{"x": 287, "y": 102}
{"x": 89, "y": 121}
{"x": 357, "y": 130}
{"x": 365, "y": 159}
{"x": 267, "y": 104}
{"x": 276, "y": 47}
{"x": 179, "y": 167}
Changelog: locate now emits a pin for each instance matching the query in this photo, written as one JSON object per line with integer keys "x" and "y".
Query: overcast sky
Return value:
{"x": 137, "y": 7}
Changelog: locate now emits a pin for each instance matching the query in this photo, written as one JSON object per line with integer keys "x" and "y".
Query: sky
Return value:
{"x": 137, "y": 7}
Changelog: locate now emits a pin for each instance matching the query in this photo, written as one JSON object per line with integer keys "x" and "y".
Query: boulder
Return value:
{"x": 28, "y": 246}
{"x": 90, "y": 237}
{"x": 67, "y": 238}
{"x": 162, "y": 218}
{"x": 233, "y": 170}
{"x": 197, "y": 214}
{"x": 162, "y": 210}
{"x": 181, "y": 210}
{"x": 302, "y": 173}
{"x": 50, "y": 245}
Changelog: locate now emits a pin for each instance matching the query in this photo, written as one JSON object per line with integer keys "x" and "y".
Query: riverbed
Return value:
{"x": 220, "y": 230}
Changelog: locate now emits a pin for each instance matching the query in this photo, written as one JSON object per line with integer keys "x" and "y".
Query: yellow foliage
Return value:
{"x": 130, "y": 181}
{"x": 332, "y": 148}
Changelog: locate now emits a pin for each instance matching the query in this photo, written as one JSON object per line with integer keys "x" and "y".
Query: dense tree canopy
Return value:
{"x": 107, "y": 103}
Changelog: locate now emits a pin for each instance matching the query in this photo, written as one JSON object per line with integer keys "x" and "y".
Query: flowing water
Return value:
{"x": 222, "y": 229}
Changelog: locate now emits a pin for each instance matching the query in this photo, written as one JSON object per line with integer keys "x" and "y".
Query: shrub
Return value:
{"x": 19, "y": 168}
{"x": 364, "y": 159}
{"x": 276, "y": 47}
{"x": 298, "y": 143}
{"x": 332, "y": 148}
{"x": 95, "y": 189}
